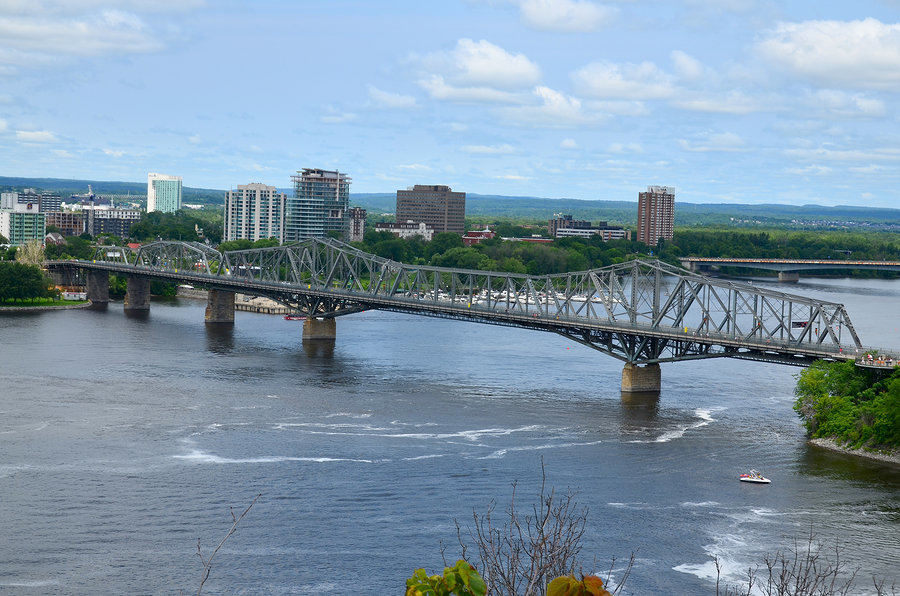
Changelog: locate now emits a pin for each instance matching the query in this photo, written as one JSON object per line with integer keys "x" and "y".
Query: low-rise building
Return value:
{"x": 565, "y": 226}
{"x": 473, "y": 237}
{"x": 54, "y": 238}
{"x": 407, "y": 229}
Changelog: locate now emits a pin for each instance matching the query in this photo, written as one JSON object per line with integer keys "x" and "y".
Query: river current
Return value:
{"x": 125, "y": 439}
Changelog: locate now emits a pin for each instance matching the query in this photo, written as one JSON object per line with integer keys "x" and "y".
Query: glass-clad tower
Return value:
{"x": 163, "y": 193}
{"x": 320, "y": 205}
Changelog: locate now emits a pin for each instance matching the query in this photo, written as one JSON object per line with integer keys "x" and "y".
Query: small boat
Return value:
{"x": 294, "y": 317}
{"x": 755, "y": 477}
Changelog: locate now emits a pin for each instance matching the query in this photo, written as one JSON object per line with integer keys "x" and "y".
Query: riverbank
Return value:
{"x": 892, "y": 457}
{"x": 41, "y": 308}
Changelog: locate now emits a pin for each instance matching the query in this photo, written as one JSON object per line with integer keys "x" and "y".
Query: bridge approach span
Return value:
{"x": 641, "y": 312}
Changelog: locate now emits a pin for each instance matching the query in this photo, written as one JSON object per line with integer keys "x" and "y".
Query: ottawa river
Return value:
{"x": 123, "y": 440}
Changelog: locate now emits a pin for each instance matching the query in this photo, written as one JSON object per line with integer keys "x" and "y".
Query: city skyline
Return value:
{"x": 727, "y": 101}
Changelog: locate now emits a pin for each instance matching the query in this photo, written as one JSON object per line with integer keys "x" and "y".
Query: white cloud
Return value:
{"x": 61, "y": 153}
{"x": 415, "y": 167}
{"x": 113, "y": 152}
{"x": 34, "y": 38}
{"x": 565, "y": 15}
{"x": 3, "y": 125}
{"x": 623, "y": 81}
{"x": 626, "y": 148}
{"x": 555, "y": 110}
{"x": 863, "y": 54}
{"x": 734, "y": 102}
{"x": 489, "y": 149}
{"x": 568, "y": 144}
{"x": 723, "y": 141}
{"x": 387, "y": 99}
{"x": 515, "y": 177}
{"x": 810, "y": 169}
{"x": 822, "y": 153}
{"x": 194, "y": 139}
{"x": 620, "y": 107}
{"x": 687, "y": 67}
{"x": 36, "y": 136}
{"x": 869, "y": 169}
{"x": 439, "y": 89}
{"x": 335, "y": 116}
{"x": 482, "y": 64}
{"x": 840, "y": 103}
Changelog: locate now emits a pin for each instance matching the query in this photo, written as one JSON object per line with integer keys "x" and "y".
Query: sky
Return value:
{"x": 729, "y": 101}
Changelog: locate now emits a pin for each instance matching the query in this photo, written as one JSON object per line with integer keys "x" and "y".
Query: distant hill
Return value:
{"x": 206, "y": 196}
{"x": 529, "y": 208}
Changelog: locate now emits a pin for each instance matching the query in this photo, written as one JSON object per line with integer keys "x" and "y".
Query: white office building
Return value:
{"x": 163, "y": 193}
{"x": 254, "y": 212}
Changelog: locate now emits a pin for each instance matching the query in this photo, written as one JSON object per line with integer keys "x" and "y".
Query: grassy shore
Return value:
{"x": 40, "y": 303}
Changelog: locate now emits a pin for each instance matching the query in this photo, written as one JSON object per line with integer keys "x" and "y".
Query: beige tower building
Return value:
{"x": 254, "y": 212}
{"x": 436, "y": 206}
{"x": 656, "y": 214}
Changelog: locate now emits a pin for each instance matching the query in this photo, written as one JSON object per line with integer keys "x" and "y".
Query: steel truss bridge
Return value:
{"x": 641, "y": 312}
{"x": 788, "y": 265}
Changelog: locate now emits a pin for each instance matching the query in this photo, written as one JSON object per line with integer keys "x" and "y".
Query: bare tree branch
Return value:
{"x": 207, "y": 563}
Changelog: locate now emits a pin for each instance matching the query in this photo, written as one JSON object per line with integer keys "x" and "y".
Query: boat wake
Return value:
{"x": 705, "y": 418}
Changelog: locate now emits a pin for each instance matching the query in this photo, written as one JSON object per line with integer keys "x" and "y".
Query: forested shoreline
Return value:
{"x": 858, "y": 408}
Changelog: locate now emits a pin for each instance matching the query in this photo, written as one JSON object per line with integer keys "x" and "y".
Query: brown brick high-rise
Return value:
{"x": 656, "y": 214}
{"x": 433, "y": 205}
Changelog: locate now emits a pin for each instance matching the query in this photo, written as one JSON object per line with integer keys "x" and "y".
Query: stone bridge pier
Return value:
{"x": 97, "y": 287}
{"x": 641, "y": 379}
{"x": 220, "y": 307}
{"x": 788, "y": 276}
{"x": 319, "y": 329}
{"x": 137, "y": 293}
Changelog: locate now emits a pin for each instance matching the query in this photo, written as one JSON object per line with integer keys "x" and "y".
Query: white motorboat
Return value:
{"x": 755, "y": 477}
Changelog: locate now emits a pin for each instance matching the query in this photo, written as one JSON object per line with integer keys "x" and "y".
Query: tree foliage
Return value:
{"x": 20, "y": 281}
{"x": 853, "y": 405}
{"x": 461, "y": 579}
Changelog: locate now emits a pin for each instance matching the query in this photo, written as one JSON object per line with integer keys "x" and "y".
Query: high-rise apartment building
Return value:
{"x": 436, "y": 206}
{"x": 656, "y": 214}
{"x": 320, "y": 205}
{"x": 357, "y": 224}
{"x": 22, "y": 223}
{"x": 163, "y": 193}
{"x": 254, "y": 212}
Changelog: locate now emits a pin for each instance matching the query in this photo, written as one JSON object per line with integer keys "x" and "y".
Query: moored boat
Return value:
{"x": 294, "y": 317}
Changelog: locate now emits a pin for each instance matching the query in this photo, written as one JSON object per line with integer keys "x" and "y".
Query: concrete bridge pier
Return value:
{"x": 97, "y": 287}
{"x": 319, "y": 329}
{"x": 220, "y": 307}
{"x": 788, "y": 276}
{"x": 641, "y": 379}
{"x": 137, "y": 293}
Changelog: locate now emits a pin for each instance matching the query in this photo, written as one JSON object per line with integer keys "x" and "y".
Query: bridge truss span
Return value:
{"x": 641, "y": 311}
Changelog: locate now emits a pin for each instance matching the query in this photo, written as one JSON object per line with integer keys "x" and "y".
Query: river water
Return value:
{"x": 123, "y": 440}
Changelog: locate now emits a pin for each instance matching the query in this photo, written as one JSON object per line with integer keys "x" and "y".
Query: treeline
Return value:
{"x": 182, "y": 225}
{"x": 20, "y": 282}
{"x": 855, "y": 406}
{"x": 574, "y": 254}
{"x": 447, "y": 250}
{"x": 785, "y": 245}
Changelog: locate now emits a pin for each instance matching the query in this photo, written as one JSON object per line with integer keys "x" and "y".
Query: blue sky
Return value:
{"x": 727, "y": 100}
